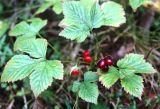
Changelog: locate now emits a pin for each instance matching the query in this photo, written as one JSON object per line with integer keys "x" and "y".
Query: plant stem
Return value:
{"x": 54, "y": 49}
{"x": 75, "y": 104}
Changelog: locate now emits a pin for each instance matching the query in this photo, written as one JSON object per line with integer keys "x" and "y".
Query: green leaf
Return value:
{"x": 74, "y": 32}
{"x": 125, "y": 72}
{"x": 77, "y": 20}
{"x": 110, "y": 77}
{"x": 41, "y": 72}
{"x": 57, "y": 68}
{"x": 88, "y": 3}
{"x": 133, "y": 84}
{"x": 96, "y": 16}
{"x": 137, "y": 3}
{"x": 83, "y": 16}
{"x": 35, "y": 47}
{"x": 43, "y": 7}
{"x": 89, "y": 92}
{"x": 57, "y": 6}
{"x": 90, "y": 76}
{"x": 135, "y": 62}
{"x": 42, "y": 76}
{"x": 21, "y": 29}
{"x": 76, "y": 85}
{"x": 75, "y": 13}
{"x": 28, "y": 29}
{"x": 36, "y": 24}
{"x": 19, "y": 67}
{"x": 114, "y": 14}
{"x": 83, "y": 12}
{"x": 3, "y": 27}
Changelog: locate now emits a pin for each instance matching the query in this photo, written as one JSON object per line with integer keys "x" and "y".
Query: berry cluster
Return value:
{"x": 104, "y": 63}
{"x": 87, "y": 57}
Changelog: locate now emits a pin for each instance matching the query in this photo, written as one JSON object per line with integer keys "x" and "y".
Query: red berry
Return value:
{"x": 75, "y": 72}
{"x": 108, "y": 60}
{"x": 86, "y": 53}
{"x": 88, "y": 59}
{"x": 102, "y": 65}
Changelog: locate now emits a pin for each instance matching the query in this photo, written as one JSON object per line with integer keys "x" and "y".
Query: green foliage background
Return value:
{"x": 38, "y": 55}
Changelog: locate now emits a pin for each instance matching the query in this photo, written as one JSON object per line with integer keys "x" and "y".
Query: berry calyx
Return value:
{"x": 102, "y": 65}
{"x": 88, "y": 59}
{"x": 86, "y": 53}
{"x": 108, "y": 60}
{"x": 75, "y": 72}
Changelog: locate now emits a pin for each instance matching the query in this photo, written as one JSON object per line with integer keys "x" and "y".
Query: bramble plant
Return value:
{"x": 34, "y": 65}
{"x": 80, "y": 18}
{"x": 126, "y": 71}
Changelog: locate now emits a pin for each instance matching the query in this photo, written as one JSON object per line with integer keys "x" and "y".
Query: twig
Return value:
{"x": 61, "y": 87}
{"x": 10, "y": 105}
{"x": 75, "y": 51}
{"x": 25, "y": 102}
